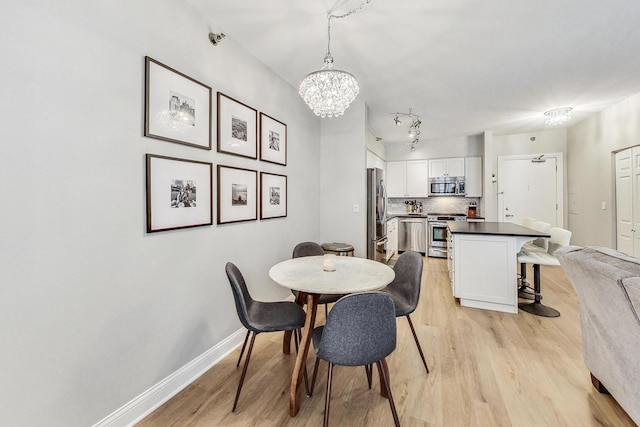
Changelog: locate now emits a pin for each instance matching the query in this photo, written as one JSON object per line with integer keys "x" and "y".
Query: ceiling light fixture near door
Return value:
{"x": 558, "y": 116}
{"x": 329, "y": 91}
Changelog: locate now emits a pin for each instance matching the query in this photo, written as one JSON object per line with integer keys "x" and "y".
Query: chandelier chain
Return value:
{"x": 344, "y": 15}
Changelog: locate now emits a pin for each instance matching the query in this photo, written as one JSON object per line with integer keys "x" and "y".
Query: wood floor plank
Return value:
{"x": 486, "y": 368}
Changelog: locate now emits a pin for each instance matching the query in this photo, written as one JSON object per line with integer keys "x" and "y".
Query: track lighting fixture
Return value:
{"x": 215, "y": 38}
{"x": 414, "y": 128}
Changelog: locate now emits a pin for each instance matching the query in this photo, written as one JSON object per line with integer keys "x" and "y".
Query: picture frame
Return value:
{"x": 273, "y": 195}
{"x": 179, "y": 193}
{"x": 237, "y": 194}
{"x": 273, "y": 140}
{"x": 237, "y": 128}
{"x": 177, "y": 107}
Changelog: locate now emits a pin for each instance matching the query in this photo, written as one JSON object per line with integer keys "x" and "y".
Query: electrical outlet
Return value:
{"x": 356, "y": 208}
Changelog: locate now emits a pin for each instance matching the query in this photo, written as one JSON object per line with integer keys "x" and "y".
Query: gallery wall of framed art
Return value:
{"x": 180, "y": 192}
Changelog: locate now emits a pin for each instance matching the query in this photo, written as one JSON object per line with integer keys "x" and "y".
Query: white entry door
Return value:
{"x": 530, "y": 186}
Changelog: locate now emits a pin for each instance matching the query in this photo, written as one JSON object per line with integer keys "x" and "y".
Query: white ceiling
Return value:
{"x": 464, "y": 66}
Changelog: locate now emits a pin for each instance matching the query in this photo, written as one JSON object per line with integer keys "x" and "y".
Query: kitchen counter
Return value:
{"x": 493, "y": 228}
{"x": 482, "y": 263}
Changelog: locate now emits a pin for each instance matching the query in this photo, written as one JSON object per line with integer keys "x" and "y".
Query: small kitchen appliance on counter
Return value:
{"x": 437, "y": 232}
{"x": 472, "y": 210}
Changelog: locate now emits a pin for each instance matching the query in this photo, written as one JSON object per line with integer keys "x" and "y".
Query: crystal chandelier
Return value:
{"x": 558, "y": 116}
{"x": 329, "y": 91}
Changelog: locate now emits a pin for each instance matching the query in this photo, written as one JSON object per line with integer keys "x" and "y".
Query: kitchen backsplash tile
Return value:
{"x": 442, "y": 204}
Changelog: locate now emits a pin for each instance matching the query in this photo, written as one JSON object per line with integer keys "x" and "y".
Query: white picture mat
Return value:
{"x": 227, "y": 109}
{"x": 228, "y": 212}
{"x": 267, "y": 209}
{"x": 162, "y": 172}
{"x": 268, "y": 124}
{"x": 162, "y": 82}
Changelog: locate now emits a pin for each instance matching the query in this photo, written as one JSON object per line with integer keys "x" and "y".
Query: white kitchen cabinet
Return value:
{"x": 407, "y": 179}
{"x": 392, "y": 238}
{"x": 446, "y": 167}
{"x": 473, "y": 176}
{"x": 396, "y": 176}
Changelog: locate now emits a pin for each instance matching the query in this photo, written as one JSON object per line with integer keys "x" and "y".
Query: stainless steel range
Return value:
{"x": 437, "y": 232}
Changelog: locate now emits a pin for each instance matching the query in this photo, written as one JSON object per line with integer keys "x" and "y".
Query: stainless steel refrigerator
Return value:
{"x": 376, "y": 215}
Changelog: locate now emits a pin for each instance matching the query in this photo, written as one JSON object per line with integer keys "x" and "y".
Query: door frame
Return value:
{"x": 559, "y": 182}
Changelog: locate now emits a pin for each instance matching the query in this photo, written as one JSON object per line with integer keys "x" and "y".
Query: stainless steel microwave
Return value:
{"x": 447, "y": 186}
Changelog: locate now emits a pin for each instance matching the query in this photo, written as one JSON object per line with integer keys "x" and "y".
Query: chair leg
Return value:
{"x": 328, "y": 398}
{"x": 313, "y": 377}
{"x": 369, "y": 370}
{"x": 246, "y": 338}
{"x": 415, "y": 337}
{"x": 244, "y": 371}
{"x": 382, "y": 368}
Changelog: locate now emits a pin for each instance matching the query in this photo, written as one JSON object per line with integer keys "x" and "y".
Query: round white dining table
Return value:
{"x": 351, "y": 275}
{"x": 308, "y": 276}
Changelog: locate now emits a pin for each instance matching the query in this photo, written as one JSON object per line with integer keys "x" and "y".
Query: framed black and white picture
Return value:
{"x": 273, "y": 140}
{"x": 178, "y": 193}
{"x": 237, "y": 194}
{"x": 237, "y": 128}
{"x": 177, "y": 107}
{"x": 273, "y": 195}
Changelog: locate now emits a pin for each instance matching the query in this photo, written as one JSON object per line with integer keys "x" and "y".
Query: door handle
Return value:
{"x": 509, "y": 216}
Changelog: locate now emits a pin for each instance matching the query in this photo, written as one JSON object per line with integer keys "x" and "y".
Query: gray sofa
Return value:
{"x": 607, "y": 283}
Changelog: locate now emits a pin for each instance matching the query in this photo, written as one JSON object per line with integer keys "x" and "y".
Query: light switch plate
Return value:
{"x": 356, "y": 208}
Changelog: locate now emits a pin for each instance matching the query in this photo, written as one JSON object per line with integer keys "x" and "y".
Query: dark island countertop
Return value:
{"x": 492, "y": 228}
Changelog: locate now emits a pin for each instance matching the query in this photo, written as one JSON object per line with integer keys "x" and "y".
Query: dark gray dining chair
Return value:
{"x": 360, "y": 331}
{"x": 405, "y": 290}
{"x": 313, "y": 249}
{"x": 260, "y": 317}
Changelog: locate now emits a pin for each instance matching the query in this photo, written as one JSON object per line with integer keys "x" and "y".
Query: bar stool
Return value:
{"x": 539, "y": 245}
{"x": 340, "y": 249}
{"x": 559, "y": 238}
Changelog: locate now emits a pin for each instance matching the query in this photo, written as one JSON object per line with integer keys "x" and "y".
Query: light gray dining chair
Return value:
{"x": 258, "y": 317}
{"x": 313, "y": 249}
{"x": 360, "y": 331}
{"x": 405, "y": 290}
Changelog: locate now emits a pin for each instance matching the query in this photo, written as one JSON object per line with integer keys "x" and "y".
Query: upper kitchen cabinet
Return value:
{"x": 473, "y": 176}
{"x": 446, "y": 167}
{"x": 407, "y": 179}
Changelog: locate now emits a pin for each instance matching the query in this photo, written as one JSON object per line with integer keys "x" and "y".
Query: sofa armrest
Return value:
{"x": 632, "y": 286}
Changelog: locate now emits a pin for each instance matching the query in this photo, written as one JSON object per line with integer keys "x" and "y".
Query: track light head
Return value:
{"x": 215, "y": 38}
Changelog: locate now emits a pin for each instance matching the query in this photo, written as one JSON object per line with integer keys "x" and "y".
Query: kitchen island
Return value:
{"x": 482, "y": 262}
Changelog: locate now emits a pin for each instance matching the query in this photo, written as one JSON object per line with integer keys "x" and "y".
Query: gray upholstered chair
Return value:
{"x": 405, "y": 290}
{"x": 314, "y": 249}
{"x": 360, "y": 331}
{"x": 259, "y": 317}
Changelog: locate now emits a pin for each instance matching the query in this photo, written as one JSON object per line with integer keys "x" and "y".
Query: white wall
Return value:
{"x": 93, "y": 310}
{"x": 343, "y": 179}
{"x": 591, "y": 144}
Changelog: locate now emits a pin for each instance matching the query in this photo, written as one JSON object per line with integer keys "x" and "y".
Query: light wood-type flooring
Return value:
{"x": 487, "y": 369}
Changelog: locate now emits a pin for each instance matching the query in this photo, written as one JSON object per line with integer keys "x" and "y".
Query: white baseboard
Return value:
{"x": 147, "y": 402}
